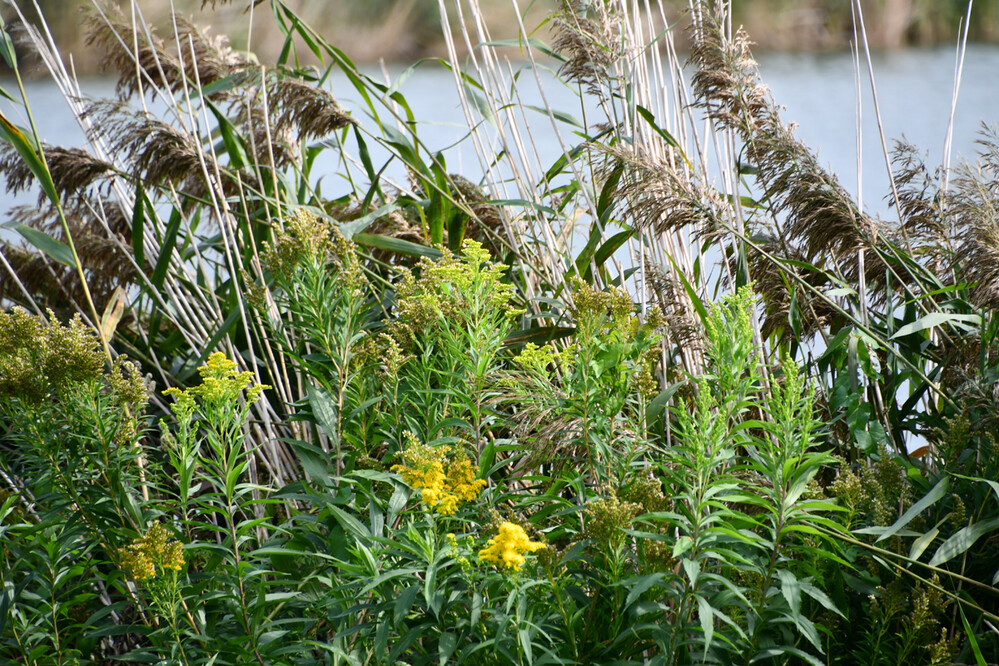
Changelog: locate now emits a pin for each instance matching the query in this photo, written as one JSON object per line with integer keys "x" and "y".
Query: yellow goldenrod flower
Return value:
{"x": 461, "y": 480}
{"x": 506, "y": 549}
{"x": 221, "y": 383}
{"x": 152, "y": 550}
{"x": 137, "y": 565}
{"x": 458, "y": 550}
{"x": 444, "y": 484}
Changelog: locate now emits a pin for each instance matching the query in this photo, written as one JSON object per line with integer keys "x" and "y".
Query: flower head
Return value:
{"x": 506, "y": 549}
{"x": 221, "y": 384}
{"x": 445, "y": 483}
{"x": 152, "y": 550}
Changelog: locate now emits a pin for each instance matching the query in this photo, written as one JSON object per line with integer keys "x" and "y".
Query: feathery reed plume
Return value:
{"x": 727, "y": 85}
{"x": 781, "y": 293}
{"x": 918, "y": 193}
{"x": 265, "y": 141}
{"x": 539, "y": 419}
{"x": 682, "y": 326}
{"x": 588, "y": 36}
{"x": 16, "y": 171}
{"x": 820, "y": 213}
{"x": 99, "y": 244}
{"x": 922, "y": 218}
{"x": 658, "y": 196}
{"x": 209, "y": 58}
{"x": 815, "y": 219}
{"x": 974, "y": 206}
{"x": 161, "y": 153}
{"x": 137, "y": 56}
{"x": 314, "y": 111}
{"x": 73, "y": 170}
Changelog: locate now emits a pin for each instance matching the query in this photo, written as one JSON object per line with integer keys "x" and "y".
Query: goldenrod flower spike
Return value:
{"x": 506, "y": 549}
{"x": 152, "y": 550}
{"x": 444, "y": 484}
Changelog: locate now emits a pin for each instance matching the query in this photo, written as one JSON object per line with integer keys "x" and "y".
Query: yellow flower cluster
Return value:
{"x": 220, "y": 384}
{"x": 444, "y": 484}
{"x": 506, "y": 549}
{"x": 458, "y": 549}
{"x": 152, "y": 550}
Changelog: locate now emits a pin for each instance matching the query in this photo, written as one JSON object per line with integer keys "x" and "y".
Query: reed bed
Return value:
{"x": 673, "y": 398}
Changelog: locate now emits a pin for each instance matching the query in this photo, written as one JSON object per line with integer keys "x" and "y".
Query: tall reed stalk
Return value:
{"x": 608, "y": 366}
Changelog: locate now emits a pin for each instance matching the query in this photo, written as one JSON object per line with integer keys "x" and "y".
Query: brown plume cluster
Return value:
{"x": 271, "y": 112}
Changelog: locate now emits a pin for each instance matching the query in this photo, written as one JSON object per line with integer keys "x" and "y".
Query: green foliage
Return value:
{"x": 439, "y": 432}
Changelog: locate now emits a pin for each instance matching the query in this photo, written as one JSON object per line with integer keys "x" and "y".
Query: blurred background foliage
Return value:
{"x": 403, "y": 30}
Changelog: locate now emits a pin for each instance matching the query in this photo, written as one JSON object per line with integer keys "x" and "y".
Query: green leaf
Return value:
{"x": 402, "y": 78}
{"x": 404, "y": 603}
{"x": 962, "y": 540}
{"x": 7, "y": 595}
{"x": 235, "y": 145}
{"x": 7, "y": 47}
{"x": 446, "y": 645}
{"x": 405, "y": 150}
{"x": 47, "y": 245}
{"x": 525, "y": 644}
{"x": 457, "y": 226}
{"x": 707, "y": 617}
{"x": 558, "y": 115}
{"x": 532, "y": 42}
{"x": 521, "y": 203}
{"x": 606, "y": 201}
{"x": 476, "y": 607}
{"x": 682, "y": 545}
{"x": 225, "y": 84}
{"x": 791, "y": 590}
{"x": 586, "y": 254}
{"x": 349, "y": 522}
{"x": 693, "y": 570}
{"x": 166, "y": 249}
{"x": 640, "y": 585}
{"x": 658, "y": 404}
{"x": 396, "y": 245}
{"x": 481, "y": 105}
{"x": 702, "y": 311}
{"x": 29, "y": 152}
{"x": 609, "y": 247}
{"x": 920, "y": 545}
{"x": 992, "y": 484}
{"x": 972, "y": 639}
{"x": 927, "y": 500}
{"x": 821, "y": 597}
{"x": 139, "y": 226}
{"x": 325, "y": 410}
{"x": 663, "y": 134}
{"x": 768, "y": 655}
{"x": 935, "y": 319}
{"x": 315, "y": 462}
{"x": 349, "y": 229}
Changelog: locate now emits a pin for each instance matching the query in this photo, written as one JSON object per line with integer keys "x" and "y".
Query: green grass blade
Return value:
{"x": 47, "y": 245}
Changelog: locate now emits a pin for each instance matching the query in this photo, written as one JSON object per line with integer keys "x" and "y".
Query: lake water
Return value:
{"x": 818, "y": 91}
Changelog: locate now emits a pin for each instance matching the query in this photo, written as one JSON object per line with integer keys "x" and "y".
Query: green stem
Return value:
{"x": 62, "y": 218}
